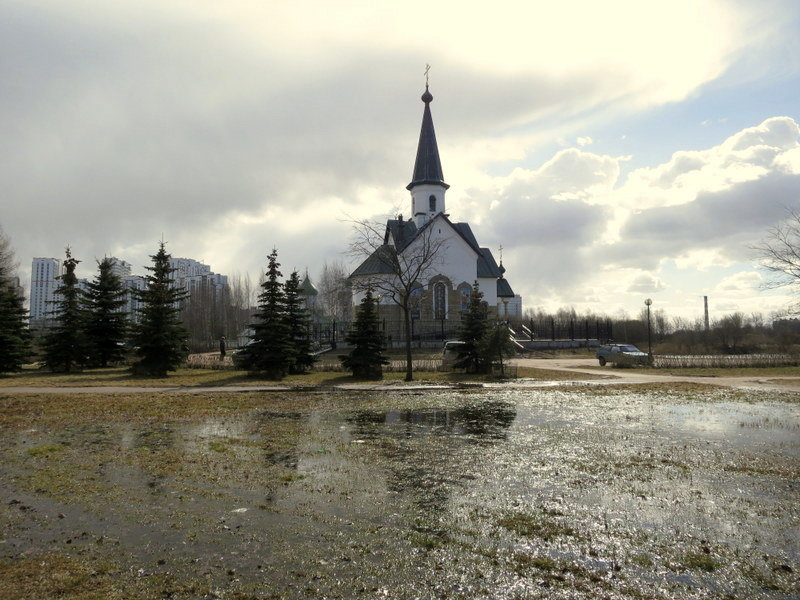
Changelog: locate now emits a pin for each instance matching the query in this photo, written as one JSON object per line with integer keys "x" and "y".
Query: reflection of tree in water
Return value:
{"x": 432, "y": 450}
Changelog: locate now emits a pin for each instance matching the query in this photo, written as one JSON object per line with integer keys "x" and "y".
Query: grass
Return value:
{"x": 44, "y": 450}
{"x": 701, "y": 561}
{"x": 121, "y": 377}
{"x": 720, "y": 372}
{"x": 528, "y": 525}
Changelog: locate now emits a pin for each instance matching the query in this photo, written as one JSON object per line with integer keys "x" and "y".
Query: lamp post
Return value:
{"x": 647, "y": 303}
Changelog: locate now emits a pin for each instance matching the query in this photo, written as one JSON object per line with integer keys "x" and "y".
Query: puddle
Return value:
{"x": 557, "y": 493}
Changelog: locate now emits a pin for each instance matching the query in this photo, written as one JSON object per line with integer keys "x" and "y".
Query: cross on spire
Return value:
{"x": 427, "y": 68}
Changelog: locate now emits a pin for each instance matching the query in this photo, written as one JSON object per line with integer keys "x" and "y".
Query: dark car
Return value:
{"x": 621, "y": 354}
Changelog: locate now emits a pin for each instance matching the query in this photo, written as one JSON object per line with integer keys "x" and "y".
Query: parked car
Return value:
{"x": 621, "y": 354}
{"x": 450, "y": 353}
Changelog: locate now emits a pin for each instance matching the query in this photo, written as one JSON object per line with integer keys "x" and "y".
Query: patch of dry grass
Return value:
{"x": 121, "y": 377}
{"x": 720, "y": 372}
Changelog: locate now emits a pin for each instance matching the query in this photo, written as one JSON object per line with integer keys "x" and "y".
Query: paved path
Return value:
{"x": 606, "y": 376}
{"x": 613, "y": 375}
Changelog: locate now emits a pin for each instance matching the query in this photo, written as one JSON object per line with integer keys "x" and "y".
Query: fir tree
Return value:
{"x": 297, "y": 321}
{"x": 14, "y": 334}
{"x": 66, "y": 345}
{"x": 498, "y": 346}
{"x": 270, "y": 349}
{"x": 160, "y": 337}
{"x": 106, "y": 324}
{"x": 366, "y": 359}
{"x": 472, "y": 356}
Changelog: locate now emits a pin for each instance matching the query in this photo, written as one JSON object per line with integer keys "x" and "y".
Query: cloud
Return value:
{"x": 740, "y": 284}
{"x": 572, "y": 223}
{"x": 230, "y": 128}
{"x": 645, "y": 284}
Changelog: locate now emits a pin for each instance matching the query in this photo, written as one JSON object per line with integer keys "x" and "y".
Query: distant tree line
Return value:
{"x": 734, "y": 333}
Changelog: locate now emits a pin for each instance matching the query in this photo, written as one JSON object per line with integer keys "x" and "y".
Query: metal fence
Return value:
{"x": 424, "y": 332}
{"x": 729, "y": 361}
{"x": 573, "y": 329}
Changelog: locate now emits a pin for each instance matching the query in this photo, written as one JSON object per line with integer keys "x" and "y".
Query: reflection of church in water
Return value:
{"x": 442, "y": 293}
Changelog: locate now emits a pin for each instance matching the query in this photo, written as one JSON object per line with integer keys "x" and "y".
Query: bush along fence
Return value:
{"x": 424, "y": 332}
{"x": 730, "y": 361}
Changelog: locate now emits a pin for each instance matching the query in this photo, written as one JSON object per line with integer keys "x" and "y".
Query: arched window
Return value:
{"x": 439, "y": 301}
{"x": 432, "y": 203}
{"x": 464, "y": 290}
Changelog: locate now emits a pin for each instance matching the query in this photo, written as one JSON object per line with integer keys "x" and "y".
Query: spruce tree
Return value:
{"x": 14, "y": 333}
{"x": 366, "y": 359}
{"x": 472, "y": 356}
{"x": 498, "y": 346}
{"x": 106, "y": 323}
{"x": 297, "y": 321}
{"x": 66, "y": 345}
{"x": 270, "y": 350}
{"x": 159, "y": 336}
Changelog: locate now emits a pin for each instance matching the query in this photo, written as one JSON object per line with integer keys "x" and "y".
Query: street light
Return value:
{"x": 647, "y": 303}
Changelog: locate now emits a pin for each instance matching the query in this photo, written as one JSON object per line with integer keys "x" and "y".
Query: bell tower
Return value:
{"x": 427, "y": 185}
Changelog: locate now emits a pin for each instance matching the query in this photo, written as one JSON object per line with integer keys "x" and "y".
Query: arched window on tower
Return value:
{"x": 439, "y": 301}
{"x": 432, "y": 203}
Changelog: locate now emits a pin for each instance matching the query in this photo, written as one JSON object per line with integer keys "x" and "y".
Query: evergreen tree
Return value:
{"x": 472, "y": 356}
{"x": 66, "y": 345}
{"x": 106, "y": 324}
{"x": 498, "y": 345}
{"x": 160, "y": 337}
{"x": 366, "y": 359}
{"x": 14, "y": 334}
{"x": 297, "y": 321}
{"x": 270, "y": 349}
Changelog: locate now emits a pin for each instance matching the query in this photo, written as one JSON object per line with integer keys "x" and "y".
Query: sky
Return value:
{"x": 617, "y": 150}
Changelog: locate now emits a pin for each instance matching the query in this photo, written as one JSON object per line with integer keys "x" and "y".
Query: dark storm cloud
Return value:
{"x": 730, "y": 220}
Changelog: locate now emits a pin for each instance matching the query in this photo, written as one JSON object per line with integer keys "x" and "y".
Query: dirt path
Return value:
{"x": 605, "y": 376}
{"x": 612, "y": 375}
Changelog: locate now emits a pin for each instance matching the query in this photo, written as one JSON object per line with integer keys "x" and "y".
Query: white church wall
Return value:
{"x": 488, "y": 286}
{"x": 456, "y": 260}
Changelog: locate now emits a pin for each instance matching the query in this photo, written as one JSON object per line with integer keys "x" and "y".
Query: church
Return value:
{"x": 445, "y": 256}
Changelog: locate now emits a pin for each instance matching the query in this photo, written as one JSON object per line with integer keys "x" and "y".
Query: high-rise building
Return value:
{"x": 119, "y": 267}
{"x": 192, "y": 275}
{"x": 44, "y": 274}
{"x": 188, "y": 267}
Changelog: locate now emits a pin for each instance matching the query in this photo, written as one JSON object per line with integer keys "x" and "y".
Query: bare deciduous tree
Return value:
{"x": 394, "y": 273}
{"x": 779, "y": 252}
{"x": 335, "y": 296}
{"x": 8, "y": 264}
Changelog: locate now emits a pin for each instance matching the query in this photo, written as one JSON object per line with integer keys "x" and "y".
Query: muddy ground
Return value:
{"x": 659, "y": 491}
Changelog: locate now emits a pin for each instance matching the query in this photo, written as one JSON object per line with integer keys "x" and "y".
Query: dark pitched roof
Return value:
{"x": 377, "y": 263}
{"x": 402, "y": 233}
{"x": 307, "y": 288}
{"x": 427, "y": 167}
{"x": 487, "y": 267}
{"x": 504, "y": 289}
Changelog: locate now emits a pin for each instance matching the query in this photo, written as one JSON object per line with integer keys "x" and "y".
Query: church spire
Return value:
{"x": 427, "y": 167}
